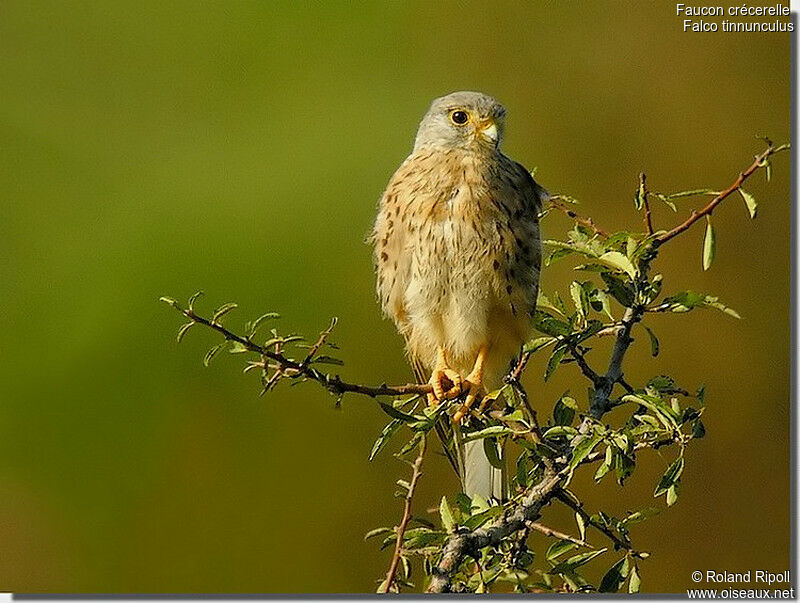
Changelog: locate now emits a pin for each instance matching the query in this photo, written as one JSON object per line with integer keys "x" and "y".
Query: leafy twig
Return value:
{"x": 389, "y": 583}
{"x": 293, "y": 369}
{"x": 696, "y": 215}
{"x": 556, "y": 202}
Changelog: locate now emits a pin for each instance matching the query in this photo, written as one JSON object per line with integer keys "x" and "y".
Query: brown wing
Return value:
{"x": 524, "y": 198}
{"x": 389, "y": 238}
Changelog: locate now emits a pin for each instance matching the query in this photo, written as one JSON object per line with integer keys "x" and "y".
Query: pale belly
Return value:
{"x": 456, "y": 298}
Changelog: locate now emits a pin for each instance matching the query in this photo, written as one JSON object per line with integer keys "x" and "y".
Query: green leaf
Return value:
{"x": 662, "y": 384}
{"x": 184, "y": 329}
{"x": 213, "y": 352}
{"x": 576, "y": 561}
{"x": 223, "y": 310}
{"x": 384, "y": 437}
{"x": 640, "y": 516}
{"x": 549, "y": 325}
{"x": 544, "y": 303}
{"x": 492, "y": 453}
{"x": 623, "y": 466}
{"x": 583, "y": 449}
{"x": 537, "y": 344}
{"x": 670, "y": 477}
{"x": 395, "y": 413}
{"x": 581, "y": 525}
{"x": 618, "y": 289}
{"x": 615, "y": 576}
{"x": 635, "y": 581}
{"x": 448, "y": 522}
{"x": 555, "y": 360}
{"x": 579, "y": 298}
{"x": 559, "y": 548}
{"x": 523, "y": 470}
{"x": 252, "y": 327}
{"x": 559, "y": 431}
{"x": 689, "y": 300}
{"x": 378, "y": 532}
{"x": 193, "y": 299}
{"x": 639, "y": 198}
{"x": 487, "y": 432}
{"x": 692, "y": 193}
{"x": 606, "y": 465}
{"x": 709, "y": 245}
{"x": 411, "y": 444}
{"x": 564, "y": 411}
{"x": 750, "y": 201}
{"x": 170, "y": 301}
{"x": 464, "y": 503}
{"x": 481, "y": 518}
{"x": 698, "y": 429}
{"x": 672, "y": 494}
{"x": 653, "y": 342}
{"x": 238, "y": 348}
{"x": 616, "y": 260}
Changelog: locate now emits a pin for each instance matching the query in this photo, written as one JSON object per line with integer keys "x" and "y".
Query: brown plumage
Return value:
{"x": 457, "y": 249}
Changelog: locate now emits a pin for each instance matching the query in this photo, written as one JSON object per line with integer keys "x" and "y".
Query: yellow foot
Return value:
{"x": 473, "y": 385}
{"x": 473, "y": 389}
{"x": 446, "y": 385}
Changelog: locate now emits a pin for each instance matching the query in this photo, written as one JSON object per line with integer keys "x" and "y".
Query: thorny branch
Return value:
{"x": 292, "y": 369}
{"x": 391, "y": 576}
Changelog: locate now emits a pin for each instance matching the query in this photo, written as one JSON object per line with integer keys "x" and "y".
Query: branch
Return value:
{"x": 466, "y": 544}
{"x": 556, "y": 534}
{"x": 600, "y": 401}
{"x": 643, "y": 193}
{"x": 388, "y": 584}
{"x": 618, "y": 542}
{"x": 293, "y": 369}
{"x": 555, "y": 202}
{"x": 758, "y": 162}
{"x": 605, "y": 384}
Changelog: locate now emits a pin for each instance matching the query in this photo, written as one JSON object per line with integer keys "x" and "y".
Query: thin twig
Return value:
{"x": 618, "y": 542}
{"x": 643, "y": 192}
{"x": 314, "y": 349}
{"x": 516, "y": 373}
{"x": 391, "y": 575}
{"x": 293, "y": 369}
{"x": 535, "y": 525}
{"x": 555, "y": 202}
{"x": 580, "y": 360}
{"x": 758, "y": 162}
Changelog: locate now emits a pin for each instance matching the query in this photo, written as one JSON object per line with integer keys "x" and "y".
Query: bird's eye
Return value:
{"x": 459, "y": 117}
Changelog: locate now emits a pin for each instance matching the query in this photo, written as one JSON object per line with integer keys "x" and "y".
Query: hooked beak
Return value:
{"x": 488, "y": 129}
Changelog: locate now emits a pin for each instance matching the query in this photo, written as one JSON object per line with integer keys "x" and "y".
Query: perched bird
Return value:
{"x": 457, "y": 256}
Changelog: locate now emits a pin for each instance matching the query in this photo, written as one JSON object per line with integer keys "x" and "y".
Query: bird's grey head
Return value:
{"x": 463, "y": 120}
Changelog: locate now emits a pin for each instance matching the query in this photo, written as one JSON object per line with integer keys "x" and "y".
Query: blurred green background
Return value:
{"x": 240, "y": 148}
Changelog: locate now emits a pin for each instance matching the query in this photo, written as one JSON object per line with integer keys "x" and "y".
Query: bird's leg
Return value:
{"x": 473, "y": 384}
{"x": 440, "y": 375}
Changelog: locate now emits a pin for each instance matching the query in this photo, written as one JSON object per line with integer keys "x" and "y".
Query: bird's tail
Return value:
{"x": 479, "y": 477}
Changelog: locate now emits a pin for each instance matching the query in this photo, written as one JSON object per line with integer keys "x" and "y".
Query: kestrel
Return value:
{"x": 457, "y": 256}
